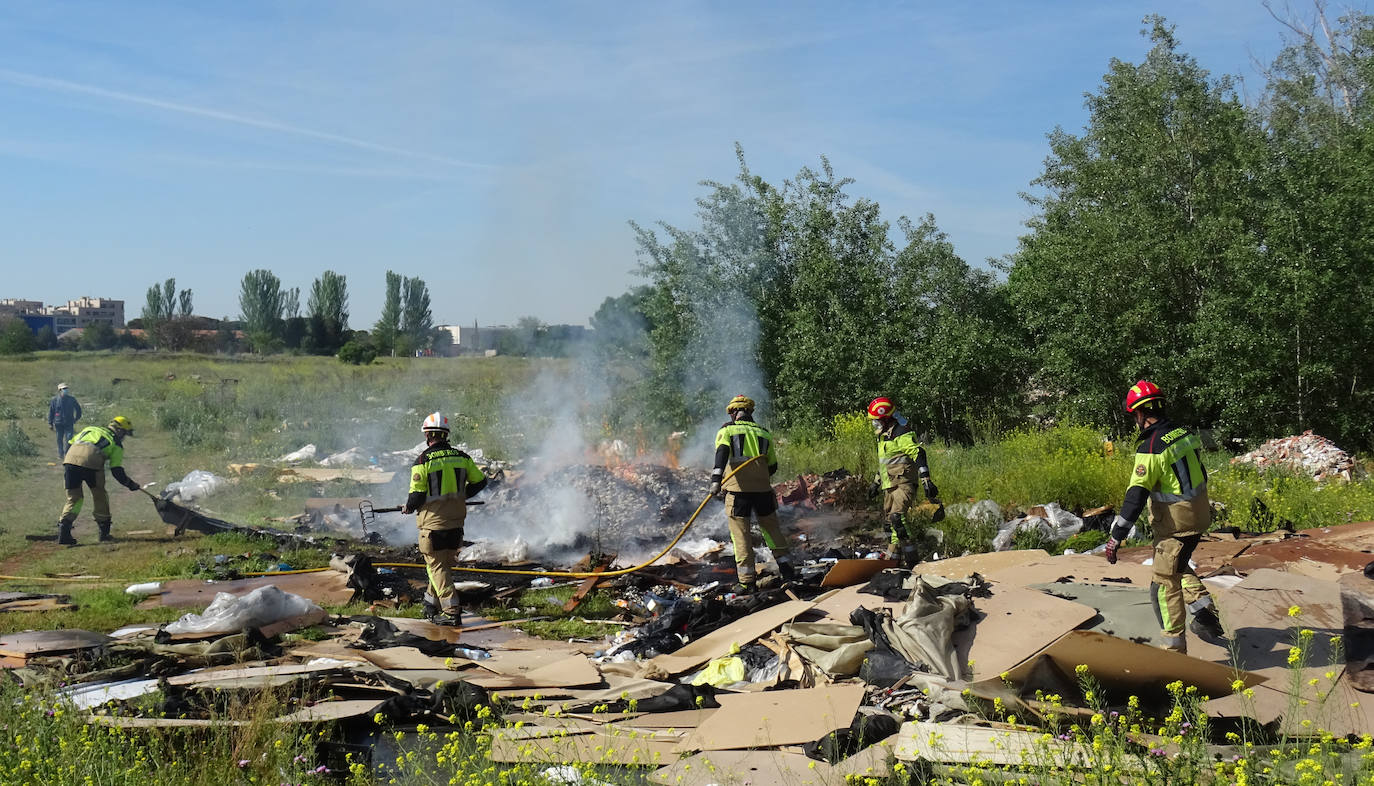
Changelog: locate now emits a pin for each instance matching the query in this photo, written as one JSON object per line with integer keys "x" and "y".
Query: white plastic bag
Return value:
{"x": 198, "y": 484}
{"x": 233, "y": 613}
{"x": 306, "y": 453}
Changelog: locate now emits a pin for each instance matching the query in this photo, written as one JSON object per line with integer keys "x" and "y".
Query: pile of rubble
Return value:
{"x": 839, "y": 675}
{"x": 1306, "y": 454}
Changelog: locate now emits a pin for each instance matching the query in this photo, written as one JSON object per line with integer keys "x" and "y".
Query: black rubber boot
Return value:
{"x": 64, "y": 534}
{"x": 449, "y": 619}
{"x": 743, "y": 588}
{"x": 1207, "y": 625}
{"x": 105, "y": 536}
{"x": 430, "y": 611}
{"x": 910, "y": 555}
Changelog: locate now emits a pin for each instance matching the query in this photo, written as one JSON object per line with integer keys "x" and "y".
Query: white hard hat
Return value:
{"x": 62, "y": 386}
{"x": 435, "y": 422}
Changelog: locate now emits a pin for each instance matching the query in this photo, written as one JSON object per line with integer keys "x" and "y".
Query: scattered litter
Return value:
{"x": 146, "y": 588}
{"x": 305, "y": 453}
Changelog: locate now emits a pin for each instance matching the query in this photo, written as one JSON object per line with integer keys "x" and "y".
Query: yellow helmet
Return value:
{"x": 123, "y": 424}
{"x": 740, "y": 403}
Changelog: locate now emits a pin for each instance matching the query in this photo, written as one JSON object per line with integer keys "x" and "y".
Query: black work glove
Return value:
{"x": 874, "y": 489}
{"x": 130, "y": 484}
{"x": 931, "y": 491}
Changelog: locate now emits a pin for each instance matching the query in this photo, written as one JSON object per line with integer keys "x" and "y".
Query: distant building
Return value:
{"x": 86, "y": 311}
{"x": 471, "y": 339}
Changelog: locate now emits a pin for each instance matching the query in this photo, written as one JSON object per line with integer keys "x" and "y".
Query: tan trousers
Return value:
{"x": 897, "y": 500}
{"x": 440, "y": 549}
{"x": 100, "y": 499}
{"x": 742, "y": 540}
{"x": 1177, "y": 528}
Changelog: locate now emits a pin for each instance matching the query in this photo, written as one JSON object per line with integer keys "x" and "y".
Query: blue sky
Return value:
{"x": 497, "y": 150}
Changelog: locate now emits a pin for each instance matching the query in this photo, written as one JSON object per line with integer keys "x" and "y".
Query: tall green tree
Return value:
{"x": 388, "y": 326}
{"x": 327, "y": 318}
{"x": 417, "y": 322}
{"x": 166, "y": 316}
{"x": 1142, "y": 220}
{"x": 15, "y": 337}
{"x": 262, "y": 303}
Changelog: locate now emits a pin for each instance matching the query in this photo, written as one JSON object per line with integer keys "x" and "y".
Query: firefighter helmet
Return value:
{"x": 1143, "y": 395}
{"x": 740, "y": 403}
{"x": 123, "y": 424}
{"x": 435, "y": 422}
{"x": 881, "y": 407}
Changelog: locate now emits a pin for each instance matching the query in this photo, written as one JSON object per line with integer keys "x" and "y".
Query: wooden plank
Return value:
{"x": 959, "y": 744}
{"x": 35, "y": 643}
{"x": 326, "y": 711}
{"x": 597, "y": 748}
{"x": 585, "y": 588}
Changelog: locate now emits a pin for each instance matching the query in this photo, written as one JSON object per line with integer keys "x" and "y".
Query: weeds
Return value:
{"x": 16, "y": 448}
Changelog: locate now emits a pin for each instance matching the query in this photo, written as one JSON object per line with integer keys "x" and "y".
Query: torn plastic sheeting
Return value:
{"x": 1056, "y": 524}
{"x": 84, "y": 697}
{"x": 982, "y": 512}
{"x": 230, "y": 614}
{"x": 198, "y": 484}
{"x": 924, "y": 632}
{"x": 305, "y": 453}
{"x": 511, "y": 552}
{"x": 353, "y": 457}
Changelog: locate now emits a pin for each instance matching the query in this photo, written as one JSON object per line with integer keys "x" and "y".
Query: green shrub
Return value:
{"x": 15, "y": 447}
{"x": 358, "y": 353}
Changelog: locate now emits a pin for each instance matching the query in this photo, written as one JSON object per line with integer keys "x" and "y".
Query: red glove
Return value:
{"x": 1112, "y": 545}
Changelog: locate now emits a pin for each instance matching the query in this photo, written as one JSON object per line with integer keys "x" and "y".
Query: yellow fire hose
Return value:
{"x": 501, "y": 571}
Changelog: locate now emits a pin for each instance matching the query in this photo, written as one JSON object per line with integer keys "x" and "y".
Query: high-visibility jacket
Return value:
{"x": 94, "y": 447}
{"x": 737, "y": 442}
{"x": 901, "y": 458}
{"x": 1168, "y": 469}
{"x": 441, "y": 481}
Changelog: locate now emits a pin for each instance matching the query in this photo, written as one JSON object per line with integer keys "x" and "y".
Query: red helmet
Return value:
{"x": 1143, "y": 395}
{"x": 881, "y": 407}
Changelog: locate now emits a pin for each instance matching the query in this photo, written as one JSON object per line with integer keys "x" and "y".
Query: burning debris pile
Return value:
{"x": 1307, "y": 454}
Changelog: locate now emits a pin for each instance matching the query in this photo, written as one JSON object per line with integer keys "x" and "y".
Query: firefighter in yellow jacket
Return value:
{"x": 91, "y": 450}
{"x": 749, "y": 491}
{"x": 441, "y": 482}
{"x": 1168, "y": 472}
{"x": 901, "y": 462}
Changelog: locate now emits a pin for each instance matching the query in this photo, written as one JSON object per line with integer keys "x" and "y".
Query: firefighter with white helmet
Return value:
{"x": 442, "y": 480}
{"x": 901, "y": 462}
{"x": 749, "y": 491}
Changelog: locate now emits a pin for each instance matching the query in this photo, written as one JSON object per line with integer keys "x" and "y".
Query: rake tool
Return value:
{"x": 368, "y": 513}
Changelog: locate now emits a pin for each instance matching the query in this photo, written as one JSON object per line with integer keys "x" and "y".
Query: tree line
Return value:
{"x": 1224, "y": 250}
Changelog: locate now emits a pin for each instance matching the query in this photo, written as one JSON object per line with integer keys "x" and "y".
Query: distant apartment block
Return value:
{"x": 75, "y": 314}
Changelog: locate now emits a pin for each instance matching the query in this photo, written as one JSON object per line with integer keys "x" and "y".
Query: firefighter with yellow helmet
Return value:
{"x": 901, "y": 463}
{"x": 442, "y": 480}
{"x": 1168, "y": 472}
{"x": 91, "y": 450}
{"x": 749, "y": 491}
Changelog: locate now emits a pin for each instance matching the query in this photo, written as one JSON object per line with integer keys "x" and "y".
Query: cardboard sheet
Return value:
{"x": 680, "y": 719}
{"x": 1092, "y": 568}
{"x": 774, "y": 718}
{"x": 598, "y": 748}
{"x": 838, "y": 605}
{"x": 957, "y": 744}
{"x": 1128, "y": 668}
{"x": 411, "y": 658}
{"x": 208, "y": 677}
{"x": 982, "y": 564}
{"x": 755, "y": 768}
{"x": 326, "y": 588}
{"x": 1332, "y": 705}
{"x": 38, "y": 643}
{"x": 847, "y": 572}
{"x": 326, "y": 711}
{"x": 1013, "y": 625}
{"x": 742, "y": 631}
{"x": 567, "y": 672}
{"x": 1256, "y": 612}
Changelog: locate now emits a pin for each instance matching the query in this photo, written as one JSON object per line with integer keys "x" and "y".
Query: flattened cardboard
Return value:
{"x": 982, "y": 564}
{"x": 954, "y": 743}
{"x": 322, "y": 474}
{"x": 566, "y": 673}
{"x": 1332, "y": 705}
{"x": 46, "y": 603}
{"x": 327, "y": 588}
{"x": 209, "y": 677}
{"x": 1256, "y": 613}
{"x": 411, "y": 658}
{"x": 679, "y": 719}
{"x": 1082, "y": 568}
{"x": 847, "y": 572}
{"x": 742, "y": 631}
{"x": 1013, "y": 625}
{"x": 326, "y": 711}
{"x": 37, "y": 643}
{"x": 754, "y": 768}
{"x": 774, "y": 718}
{"x": 1129, "y": 667}
{"x": 597, "y": 747}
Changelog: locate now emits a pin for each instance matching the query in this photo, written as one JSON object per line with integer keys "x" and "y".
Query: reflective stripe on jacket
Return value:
{"x": 901, "y": 456}
{"x": 441, "y": 481}
{"x": 1168, "y": 468}
{"x": 737, "y": 442}
{"x": 93, "y": 447}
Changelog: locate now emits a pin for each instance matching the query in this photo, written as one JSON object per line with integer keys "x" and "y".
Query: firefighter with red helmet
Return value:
{"x": 1169, "y": 474}
{"x": 901, "y": 463}
{"x": 441, "y": 482}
